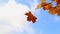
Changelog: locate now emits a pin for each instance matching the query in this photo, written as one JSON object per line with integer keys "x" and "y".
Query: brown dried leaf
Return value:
{"x": 58, "y": 2}
{"x": 31, "y": 17}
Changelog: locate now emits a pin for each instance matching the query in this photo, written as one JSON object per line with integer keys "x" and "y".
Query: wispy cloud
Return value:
{"x": 33, "y": 5}
{"x": 13, "y": 13}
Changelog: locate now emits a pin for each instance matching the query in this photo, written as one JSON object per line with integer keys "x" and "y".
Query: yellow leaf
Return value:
{"x": 38, "y": 6}
{"x": 43, "y": 1}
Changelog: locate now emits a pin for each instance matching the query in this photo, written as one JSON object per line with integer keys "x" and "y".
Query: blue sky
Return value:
{"x": 46, "y": 23}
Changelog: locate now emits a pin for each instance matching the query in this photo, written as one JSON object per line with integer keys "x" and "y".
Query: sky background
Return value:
{"x": 46, "y": 23}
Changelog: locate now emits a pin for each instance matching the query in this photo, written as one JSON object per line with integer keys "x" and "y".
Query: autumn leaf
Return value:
{"x": 58, "y": 10}
{"x": 54, "y": 0}
{"x": 58, "y": 2}
{"x": 47, "y": 7}
{"x": 38, "y": 6}
{"x": 31, "y": 17}
{"x": 52, "y": 11}
{"x": 43, "y": 1}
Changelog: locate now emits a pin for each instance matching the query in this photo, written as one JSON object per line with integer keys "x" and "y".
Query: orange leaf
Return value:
{"x": 52, "y": 11}
{"x": 47, "y": 7}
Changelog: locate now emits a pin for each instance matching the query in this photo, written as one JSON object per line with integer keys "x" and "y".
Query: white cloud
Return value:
{"x": 34, "y": 5}
{"x": 13, "y": 15}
